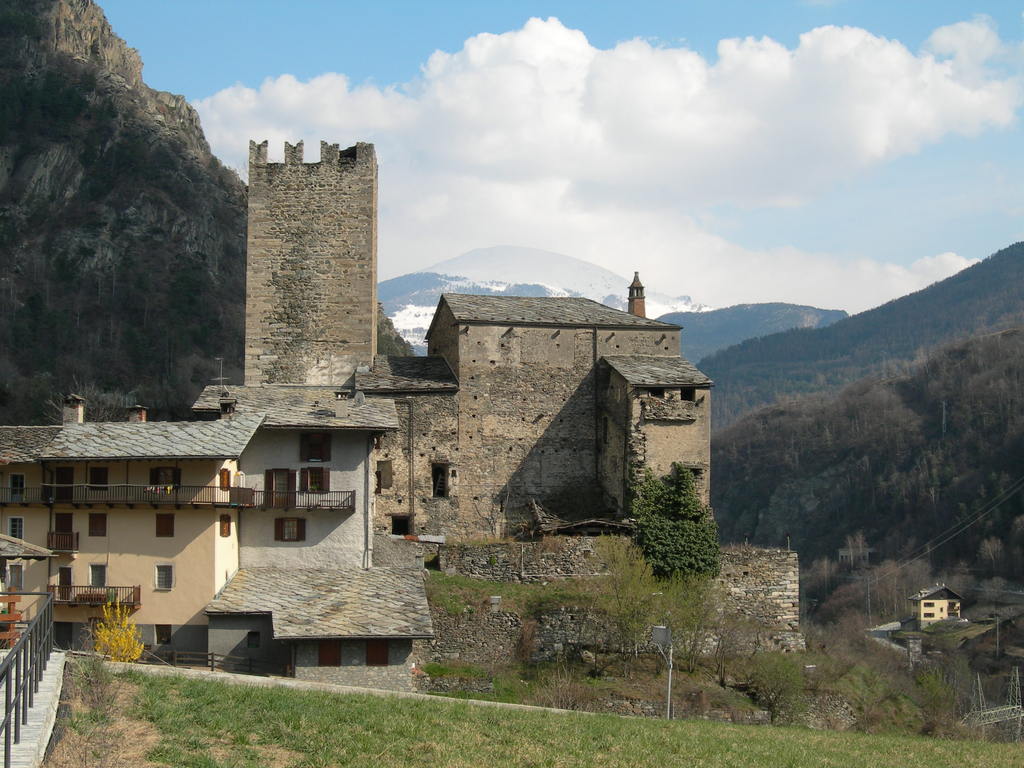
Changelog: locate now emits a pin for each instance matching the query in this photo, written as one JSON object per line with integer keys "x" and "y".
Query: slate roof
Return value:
{"x": 317, "y": 602}
{"x": 19, "y": 549}
{"x": 298, "y": 405}
{"x": 19, "y": 444}
{"x": 654, "y": 371}
{"x": 408, "y": 374}
{"x": 571, "y": 311}
{"x": 931, "y": 592}
{"x": 222, "y": 439}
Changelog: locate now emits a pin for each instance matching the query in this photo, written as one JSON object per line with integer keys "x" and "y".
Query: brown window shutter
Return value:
{"x": 268, "y": 480}
{"x": 97, "y": 523}
{"x": 225, "y": 479}
{"x": 325, "y": 479}
{"x": 165, "y": 524}
{"x": 292, "y": 477}
{"x": 376, "y": 653}
{"x": 154, "y": 475}
{"x": 301, "y": 529}
{"x": 177, "y": 476}
{"x": 325, "y": 449}
{"x": 303, "y": 480}
{"x": 303, "y": 447}
{"x": 278, "y": 529}
{"x": 330, "y": 653}
{"x": 225, "y": 525}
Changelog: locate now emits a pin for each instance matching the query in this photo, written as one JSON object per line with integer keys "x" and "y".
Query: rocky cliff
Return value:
{"x": 121, "y": 236}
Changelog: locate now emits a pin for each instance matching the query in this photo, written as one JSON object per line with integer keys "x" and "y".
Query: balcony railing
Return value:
{"x": 335, "y": 500}
{"x": 61, "y": 541}
{"x": 179, "y": 495}
{"x": 76, "y": 594}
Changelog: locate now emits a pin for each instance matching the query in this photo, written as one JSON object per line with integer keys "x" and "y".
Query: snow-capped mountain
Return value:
{"x": 410, "y": 300}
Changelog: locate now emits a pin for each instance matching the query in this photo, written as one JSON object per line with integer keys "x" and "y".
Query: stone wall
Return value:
{"x": 533, "y": 561}
{"x": 396, "y": 676}
{"x": 476, "y": 636}
{"x": 311, "y": 269}
{"x": 427, "y": 435}
{"x": 763, "y": 585}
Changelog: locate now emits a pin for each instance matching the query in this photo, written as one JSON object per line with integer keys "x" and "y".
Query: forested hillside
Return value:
{"x": 883, "y": 341}
{"x": 704, "y": 333}
{"x": 122, "y": 238}
{"x": 899, "y": 459}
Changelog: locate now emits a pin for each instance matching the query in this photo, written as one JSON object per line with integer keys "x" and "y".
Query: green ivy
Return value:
{"x": 674, "y": 529}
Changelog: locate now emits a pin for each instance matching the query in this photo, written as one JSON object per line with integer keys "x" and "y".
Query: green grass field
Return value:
{"x": 213, "y": 725}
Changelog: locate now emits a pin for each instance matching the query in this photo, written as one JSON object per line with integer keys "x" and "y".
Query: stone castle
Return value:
{"x": 522, "y": 404}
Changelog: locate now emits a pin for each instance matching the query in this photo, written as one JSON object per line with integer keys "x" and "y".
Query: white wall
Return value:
{"x": 334, "y": 539}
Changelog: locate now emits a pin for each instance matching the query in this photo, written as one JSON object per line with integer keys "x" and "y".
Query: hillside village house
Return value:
{"x": 935, "y": 604}
{"x": 251, "y": 531}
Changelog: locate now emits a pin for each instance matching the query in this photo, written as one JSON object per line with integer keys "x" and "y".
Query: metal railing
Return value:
{"x": 77, "y": 594}
{"x": 179, "y": 495}
{"x": 340, "y": 500}
{"x": 62, "y": 541}
{"x": 22, "y": 670}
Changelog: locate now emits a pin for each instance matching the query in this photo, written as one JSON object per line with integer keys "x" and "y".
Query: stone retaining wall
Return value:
{"x": 555, "y": 557}
{"x": 761, "y": 584}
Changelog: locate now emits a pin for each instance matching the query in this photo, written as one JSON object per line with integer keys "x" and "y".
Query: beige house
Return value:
{"x": 935, "y": 604}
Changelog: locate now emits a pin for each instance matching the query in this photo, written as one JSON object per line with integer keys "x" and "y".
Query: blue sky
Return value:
{"x": 786, "y": 172}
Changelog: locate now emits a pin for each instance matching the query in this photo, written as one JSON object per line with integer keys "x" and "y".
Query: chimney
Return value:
{"x": 227, "y": 404}
{"x": 74, "y": 410}
{"x": 137, "y": 413}
{"x": 636, "y": 297}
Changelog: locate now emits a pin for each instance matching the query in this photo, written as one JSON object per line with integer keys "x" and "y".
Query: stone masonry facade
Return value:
{"x": 311, "y": 271}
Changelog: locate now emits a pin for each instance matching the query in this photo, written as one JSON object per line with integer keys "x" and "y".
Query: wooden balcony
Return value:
{"x": 76, "y": 594}
{"x": 178, "y": 496}
{"x": 60, "y": 541}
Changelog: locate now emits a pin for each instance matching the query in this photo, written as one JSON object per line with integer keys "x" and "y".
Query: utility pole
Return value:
{"x": 662, "y": 637}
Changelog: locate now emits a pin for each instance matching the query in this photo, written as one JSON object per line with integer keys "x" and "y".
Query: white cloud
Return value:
{"x": 538, "y": 138}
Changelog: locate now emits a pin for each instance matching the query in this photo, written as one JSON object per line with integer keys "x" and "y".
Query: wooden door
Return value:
{"x": 64, "y": 583}
{"x": 64, "y": 478}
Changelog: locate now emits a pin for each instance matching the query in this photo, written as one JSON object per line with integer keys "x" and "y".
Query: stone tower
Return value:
{"x": 637, "y": 303}
{"x": 311, "y": 265}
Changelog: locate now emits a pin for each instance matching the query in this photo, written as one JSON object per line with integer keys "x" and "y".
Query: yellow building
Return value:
{"x": 935, "y": 604}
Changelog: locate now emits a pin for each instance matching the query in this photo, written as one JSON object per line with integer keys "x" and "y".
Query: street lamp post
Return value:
{"x": 662, "y": 637}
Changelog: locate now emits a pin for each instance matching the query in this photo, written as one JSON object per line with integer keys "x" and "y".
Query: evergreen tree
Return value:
{"x": 674, "y": 529}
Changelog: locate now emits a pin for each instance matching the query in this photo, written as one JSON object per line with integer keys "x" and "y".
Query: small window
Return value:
{"x": 929, "y": 615}
{"x": 164, "y": 577}
{"x": 315, "y": 446}
{"x": 165, "y": 524}
{"x": 163, "y": 634}
{"x": 16, "y": 527}
{"x": 376, "y": 653}
{"x": 290, "y": 529}
{"x": 385, "y": 475}
{"x": 17, "y": 487}
{"x": 929, "y": 605}
{"x": 225, "y": 526}
{"x": 314, "y": 480}
{"x": 656, "y": 392}
{"x": 439, "y": 479}
{"x": 252, "y": 639}
{"x": 97, "y": 523}
{"x": 97, "y": 575}
{"x": 98, "y": 478}
{"x": 400, "y": 526}
{"x": 329, "y": 653}
{"x": 224, "y": 477}
{"x": 15, "y": 577}
{"x": 688, "y": 393}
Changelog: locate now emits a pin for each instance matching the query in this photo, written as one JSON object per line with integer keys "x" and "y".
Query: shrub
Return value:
{"x": 116, "y": 635}
{"x": 778, "y": 684}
